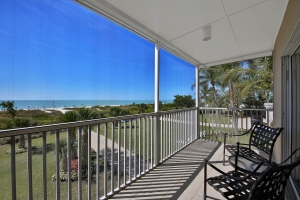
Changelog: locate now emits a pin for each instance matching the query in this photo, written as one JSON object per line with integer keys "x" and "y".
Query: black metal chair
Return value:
{"x": 262, "y": 138}
{"x": 237, "y": 185}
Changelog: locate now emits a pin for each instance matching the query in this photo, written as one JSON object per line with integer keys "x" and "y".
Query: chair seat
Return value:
{"x": 245, "y": 151}
{"x": 231, "y": 188}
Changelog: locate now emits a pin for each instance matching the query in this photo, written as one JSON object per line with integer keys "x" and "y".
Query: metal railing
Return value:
{"x": 214, "y": 122}
{"x": 91, "y": 159}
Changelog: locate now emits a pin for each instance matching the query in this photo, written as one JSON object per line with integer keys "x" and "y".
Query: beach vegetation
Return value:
{"x": 183, "y": 101}
{"x": 9, "y": 107}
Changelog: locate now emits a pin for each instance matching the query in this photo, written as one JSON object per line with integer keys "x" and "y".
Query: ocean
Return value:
{"x": 40, "y": 104}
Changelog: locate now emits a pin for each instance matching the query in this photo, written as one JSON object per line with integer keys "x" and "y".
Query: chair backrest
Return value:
{"x": 264, "y": 138}
{"x": 271, "y": 183}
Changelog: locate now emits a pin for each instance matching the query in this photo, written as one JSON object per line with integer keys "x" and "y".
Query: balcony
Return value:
{"x": 154, "y": 155}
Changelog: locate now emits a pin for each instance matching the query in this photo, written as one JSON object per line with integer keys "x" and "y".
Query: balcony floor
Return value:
{"x": 180, "y": 177}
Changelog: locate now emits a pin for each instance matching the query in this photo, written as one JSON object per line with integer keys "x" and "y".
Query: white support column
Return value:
{"x": 156, "y": 107}
{"x": 197, "y": 86}
{"x": 197, "y": 102}
{"x": 156, "y": 78}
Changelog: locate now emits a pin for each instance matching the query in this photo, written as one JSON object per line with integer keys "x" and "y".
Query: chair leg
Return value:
{"x": 236, "y": 155}
{"x": 224, "y": 149}
{"x": 205, "y": 177}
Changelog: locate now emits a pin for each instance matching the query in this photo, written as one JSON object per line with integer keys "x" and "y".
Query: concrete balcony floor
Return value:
{"x": 181, "y": 176}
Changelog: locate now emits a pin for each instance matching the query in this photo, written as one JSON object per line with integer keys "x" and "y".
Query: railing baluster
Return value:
{"x": 89, "y": 163}
{"x": 57, "y": 144}
{"x": 13, "y": 167}
{"x": 29, "y": 166}
{"x": 134, "y": 147}
{"x": 130, "y": 148}
{"x": 144, "y": 144}
{"x": 161, "y": 137}
{"x": 105, "y": 160}
{"x": 112, "y": 158}
{"x": 69, "y": 164}
{"x": 139, "y": 156}
{"x": 151, "y": 142}
{"x": 170, "y": 135}
{"x": 98, "y": 163}
{"x": 79, "y": 143}
{"x": 125, "y": 151}
{"x": 148, "y": 138}
{"x": 44, "y": 165}
{"x": 119, "y": 153}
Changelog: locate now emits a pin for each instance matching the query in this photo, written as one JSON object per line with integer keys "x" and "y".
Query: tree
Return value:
{"x": 9, "y": 106}
{"x": 211, "y": 76}
{"x": 63, "y": 150}
{"x": 257, "y": 79}
{"x": 85, "y": 114}
{"x": 183, "y": 101}
{"x": 71, "y": 116}
{"x": 117, "y": 111}
{"x": 142, "y": 107}
{"x": 228, "y": 68}
{"x": 22, "y": 123}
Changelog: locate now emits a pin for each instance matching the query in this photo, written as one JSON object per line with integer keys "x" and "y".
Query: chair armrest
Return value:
{"x": 228, "y": 176}
{"x": 289, "y": 156}
{"x": 245, "y": 133}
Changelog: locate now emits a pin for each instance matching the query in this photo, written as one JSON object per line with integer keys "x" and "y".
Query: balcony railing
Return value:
{"x": 214, "y": 122}
{"x": 98, "y": 157}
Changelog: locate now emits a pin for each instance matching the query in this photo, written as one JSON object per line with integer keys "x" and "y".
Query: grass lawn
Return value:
{"x": 22, "y": 179}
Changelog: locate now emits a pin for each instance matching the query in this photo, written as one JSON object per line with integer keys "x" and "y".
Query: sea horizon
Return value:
{"x": 43, "y": 104}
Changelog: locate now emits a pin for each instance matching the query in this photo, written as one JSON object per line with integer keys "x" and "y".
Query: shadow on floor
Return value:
{"x": 170, "y": 179}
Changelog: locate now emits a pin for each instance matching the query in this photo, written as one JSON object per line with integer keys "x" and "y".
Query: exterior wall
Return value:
{"x": 288, "y": 25}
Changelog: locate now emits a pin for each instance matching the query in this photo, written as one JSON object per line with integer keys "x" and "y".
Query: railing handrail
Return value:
{"x": 253, "y": 109}
{"x": 59, "y": 126}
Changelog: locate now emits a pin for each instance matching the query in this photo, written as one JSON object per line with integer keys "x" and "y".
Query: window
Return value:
{"x": 291, "y": 107}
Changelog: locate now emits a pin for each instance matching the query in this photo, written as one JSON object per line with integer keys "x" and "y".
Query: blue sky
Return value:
{"x": 59, "y": 50}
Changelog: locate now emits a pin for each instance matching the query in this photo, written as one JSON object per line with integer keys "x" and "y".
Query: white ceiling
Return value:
{"x": 241, "y": 29}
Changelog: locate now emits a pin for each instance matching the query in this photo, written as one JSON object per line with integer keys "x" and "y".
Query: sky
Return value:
{"x": 57, "y": 49}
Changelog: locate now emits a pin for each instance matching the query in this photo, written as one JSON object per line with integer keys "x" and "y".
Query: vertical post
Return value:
{"x": 69, "y": 164}
{"x": 29, "y": 166}
{"x": 119, "y": 153}
{"x": 112, "y": 186}
{"x": 89, "y": 163}
{"x": 156, "y": 103}
{"x": 13, "y": 168}
{"x": 79, "y": 144}
{"x": 205, "y": 177}
{"x": 125, "y": 150}
{"x": 105, "y": 161}
{"x": 57, "y": 164}
{"x": 44, "y": 166}
{"x": 98, "y": 163}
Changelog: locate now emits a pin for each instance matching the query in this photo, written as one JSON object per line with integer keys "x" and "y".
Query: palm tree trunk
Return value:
{"x": 84, "y": 148}
{"x": 73, "y": 141}
{"x": 64, "y": 163}
{"x": 22, "y": 142}
{"x": 234, "y": 118}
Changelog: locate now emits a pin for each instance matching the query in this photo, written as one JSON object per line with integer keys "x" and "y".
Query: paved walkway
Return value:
{"x": 109, "y": 149}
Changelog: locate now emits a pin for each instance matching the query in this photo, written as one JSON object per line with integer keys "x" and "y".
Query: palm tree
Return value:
{"x": 258, "y": 78}
{"x": 21, "y": 123}
{"x": 227, "y": 69}
{"x": 71, "y": 116}
{"x": 63, "y": 149}
{"x": 85, "y": 114}
{"x": 211, "y": 76}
